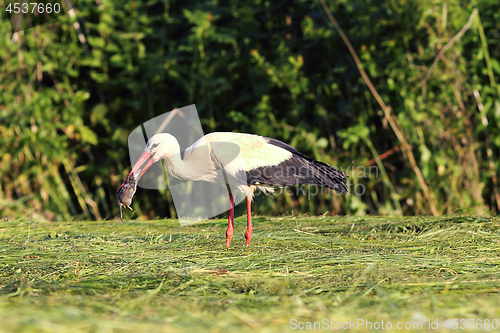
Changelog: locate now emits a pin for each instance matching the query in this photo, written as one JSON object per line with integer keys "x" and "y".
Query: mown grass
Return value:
{"x": 155, "y": 276}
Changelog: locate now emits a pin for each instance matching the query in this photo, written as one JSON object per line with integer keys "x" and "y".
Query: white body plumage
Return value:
{"x": 253, "y": 161}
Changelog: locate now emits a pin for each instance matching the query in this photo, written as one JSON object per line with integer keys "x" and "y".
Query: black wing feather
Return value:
{"x": 298, "y": 169}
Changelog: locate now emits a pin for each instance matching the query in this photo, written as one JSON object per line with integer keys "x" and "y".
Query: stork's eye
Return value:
{"x": 150, "y": 147}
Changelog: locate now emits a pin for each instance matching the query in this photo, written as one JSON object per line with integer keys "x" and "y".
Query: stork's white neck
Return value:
{"x": 193, "y": 167}
{"x": 176, "y": 166}
{"x": 196, "y": 164}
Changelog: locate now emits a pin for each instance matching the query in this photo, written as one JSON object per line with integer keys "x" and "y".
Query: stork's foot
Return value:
{"x": 248, "y": 236}
{"x": 229, "y": 236}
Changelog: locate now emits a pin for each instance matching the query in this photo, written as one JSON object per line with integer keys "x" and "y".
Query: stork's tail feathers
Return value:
{"x": 329, "y": 176}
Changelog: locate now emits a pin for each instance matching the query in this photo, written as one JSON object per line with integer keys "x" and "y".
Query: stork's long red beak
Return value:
{"x": 142, "y": 164}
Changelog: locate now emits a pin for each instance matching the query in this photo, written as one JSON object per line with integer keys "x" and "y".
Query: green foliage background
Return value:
{"x": 73, "y": 89}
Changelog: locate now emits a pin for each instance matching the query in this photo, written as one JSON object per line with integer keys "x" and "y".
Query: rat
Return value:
{"x": 126, "y": 193}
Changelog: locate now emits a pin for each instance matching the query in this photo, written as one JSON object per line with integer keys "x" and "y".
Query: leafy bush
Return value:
{"x": 72, "y": 91}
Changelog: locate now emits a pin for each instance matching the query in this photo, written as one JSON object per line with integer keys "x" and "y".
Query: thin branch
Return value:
{"x": 167, "y": 120}
{"x": 354, "y": 55}
{"x": 444, "y": 49}
{"x": 429, "y": 195}
{"x": 385, "y": 155}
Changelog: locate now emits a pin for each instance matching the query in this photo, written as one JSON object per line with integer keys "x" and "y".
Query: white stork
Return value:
{"x": 266, "y": 163}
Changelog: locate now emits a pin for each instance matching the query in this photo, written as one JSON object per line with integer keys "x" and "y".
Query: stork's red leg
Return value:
{"x": 230, "y": 222}
{"x": 248, "y": 233}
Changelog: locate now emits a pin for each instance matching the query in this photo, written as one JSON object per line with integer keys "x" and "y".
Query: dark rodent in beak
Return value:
{"x": 126, "y": 193}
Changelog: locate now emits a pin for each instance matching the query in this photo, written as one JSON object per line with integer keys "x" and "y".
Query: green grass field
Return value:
{"x": 158, "y": 277}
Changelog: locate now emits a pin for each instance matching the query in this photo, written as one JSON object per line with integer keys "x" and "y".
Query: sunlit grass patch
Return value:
{"x": 157, "y": 276}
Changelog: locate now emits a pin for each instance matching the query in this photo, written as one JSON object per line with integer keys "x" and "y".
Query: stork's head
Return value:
{"x": 159, "y": 146}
